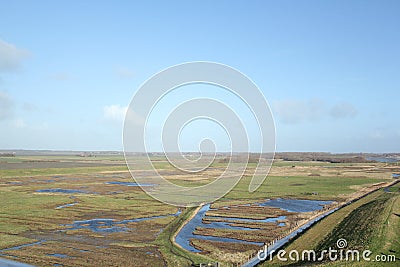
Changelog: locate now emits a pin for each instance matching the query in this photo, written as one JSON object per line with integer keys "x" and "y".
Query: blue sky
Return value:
{"x": 329, "y": 69}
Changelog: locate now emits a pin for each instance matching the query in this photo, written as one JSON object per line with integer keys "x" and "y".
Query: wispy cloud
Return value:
{"x": 11, "y": 56}
{"x": 117, "y": 113}
{"x": 114, "y": 112}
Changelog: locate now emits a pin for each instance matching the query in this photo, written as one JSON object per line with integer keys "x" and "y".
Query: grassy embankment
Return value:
{"x": 174, "y": 255}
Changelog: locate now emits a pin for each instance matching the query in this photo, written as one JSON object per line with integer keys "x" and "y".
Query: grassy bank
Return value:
{"x": 174, "y": 255}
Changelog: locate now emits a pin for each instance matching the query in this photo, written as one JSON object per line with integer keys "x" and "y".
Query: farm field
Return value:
{"x": 70, "y": 210}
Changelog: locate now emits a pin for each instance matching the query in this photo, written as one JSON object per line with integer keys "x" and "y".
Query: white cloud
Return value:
{"x": 115, "y": 112}
{"x": 6, "y": 106}
{"x": 11, "y": 56}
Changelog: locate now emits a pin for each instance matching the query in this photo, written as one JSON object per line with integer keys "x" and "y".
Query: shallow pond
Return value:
{"x": 296, "y": 205}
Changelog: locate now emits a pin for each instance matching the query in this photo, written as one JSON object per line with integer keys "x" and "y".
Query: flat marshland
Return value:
{"x": 88, "y": 211}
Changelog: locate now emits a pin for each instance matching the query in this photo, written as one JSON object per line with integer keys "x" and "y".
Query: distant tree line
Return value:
{"x": 321, "y": 156}
{"x": 8, "y": 154}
